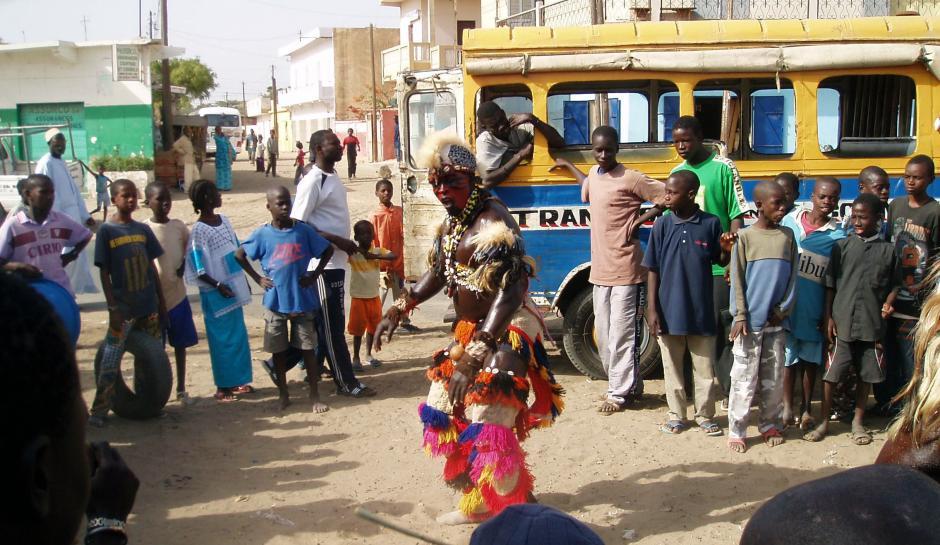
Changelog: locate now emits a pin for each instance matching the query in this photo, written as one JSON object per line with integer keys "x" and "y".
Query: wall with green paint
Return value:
{"x": 119, "y": 130}
{"x": 108, "y": 130}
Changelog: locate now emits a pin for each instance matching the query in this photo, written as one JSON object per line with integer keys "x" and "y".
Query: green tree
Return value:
{"x": 198, "y": 79}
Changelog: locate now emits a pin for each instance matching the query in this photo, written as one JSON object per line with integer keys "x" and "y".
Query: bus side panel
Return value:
{"x": 555, "y": 225}
{"x": 423, "y": 215}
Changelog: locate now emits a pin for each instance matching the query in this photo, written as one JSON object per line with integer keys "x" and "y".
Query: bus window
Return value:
{"x": 867, "y": 116}
{"x": 513, "y": 99}
{"x": 773, "y": 121}
{"x": 667, "y": 112}
{"x": 718, "y": 108}
{"x": 576, "y": 109}
{"x": 429, "y": 113}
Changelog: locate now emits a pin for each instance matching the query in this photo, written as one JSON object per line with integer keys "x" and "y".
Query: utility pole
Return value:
{"x": 140, "y": 18}
{"x": 375, "y": 134}
{"x": 274, "y": 104}
{"x": 165, "y": 76}
{"x": 85, "y": 25}
{"x": 244, "y": 113}
{"x": 150, "y": 23}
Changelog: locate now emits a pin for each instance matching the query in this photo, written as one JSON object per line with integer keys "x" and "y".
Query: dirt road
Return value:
{"x": 244, "y": 473}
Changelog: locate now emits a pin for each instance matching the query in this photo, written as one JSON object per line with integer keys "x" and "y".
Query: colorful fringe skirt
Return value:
{"x": 480, "y": 436}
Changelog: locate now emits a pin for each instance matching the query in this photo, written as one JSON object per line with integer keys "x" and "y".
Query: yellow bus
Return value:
{"x": 812, "y": 97}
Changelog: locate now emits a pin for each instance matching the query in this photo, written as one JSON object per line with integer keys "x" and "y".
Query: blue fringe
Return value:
{"x": 470, "y": 434}
{"x": 434, "y": 418}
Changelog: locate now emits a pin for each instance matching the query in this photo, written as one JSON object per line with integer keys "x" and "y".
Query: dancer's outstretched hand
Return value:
{"x": 387, "y": 326}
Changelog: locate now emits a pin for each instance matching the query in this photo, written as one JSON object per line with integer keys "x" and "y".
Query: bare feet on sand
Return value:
{"x": 806, "y": 422}
{"x": 283, "y": 402}
{"x": 454, "y": 518}
{"x": 817, "y": 434}
{"x": 737, "y": 445}
{"x": 319, "y": 407}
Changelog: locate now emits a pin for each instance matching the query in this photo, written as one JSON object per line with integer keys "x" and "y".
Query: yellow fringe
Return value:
{"x": 449, "y": 436}
{"x": 471, "y": 502}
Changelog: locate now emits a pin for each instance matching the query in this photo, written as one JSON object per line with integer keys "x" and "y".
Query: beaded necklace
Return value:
{"x": 458, "y": 226}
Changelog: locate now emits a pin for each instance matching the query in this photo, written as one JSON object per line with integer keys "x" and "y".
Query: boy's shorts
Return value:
{"x": 364, "y": 316}
{"x": 303, "y": 332}
{"x": 103, "y": 200}
{"x": 865, "y": 356}
{"x": 181, "y": 330}
{"x": 801, "y": 350}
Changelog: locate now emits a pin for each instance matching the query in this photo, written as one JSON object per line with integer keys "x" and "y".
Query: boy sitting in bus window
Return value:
{"x": 502, "y": 144}
{"x": 614, "y": 195}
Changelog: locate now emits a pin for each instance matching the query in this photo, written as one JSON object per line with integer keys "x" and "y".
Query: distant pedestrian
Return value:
{"x": 251, "y": 145}
{"x": 351, "y": 143}
{"x": 272, "y": 156}
{"x": 259, "y": 158}
{"x": 299, "y": 162}
{"x": 224, "y": 156}
{"x": 102, "y": 198}
{"x": 69, "y": 201}
{"x": 186, "y": 160}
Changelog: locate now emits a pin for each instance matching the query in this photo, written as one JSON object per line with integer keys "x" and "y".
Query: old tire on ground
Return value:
{"x": 153, "y": 378}
{"x": 579, "y": 344}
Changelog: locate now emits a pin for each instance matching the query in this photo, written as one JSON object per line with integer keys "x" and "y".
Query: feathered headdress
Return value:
{"x": 445, "y": 152}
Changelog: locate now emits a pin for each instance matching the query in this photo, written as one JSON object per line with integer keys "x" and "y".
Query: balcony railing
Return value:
{"x": 446, "y": 56}
{"x": 405, "y": 58}
{"x": 555, "y": 13}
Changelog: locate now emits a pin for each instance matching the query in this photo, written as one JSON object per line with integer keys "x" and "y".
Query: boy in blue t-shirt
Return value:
{"x": 285, "y": 247}
{"x": 815, "y": 232}
{"x": 682, "y": 247}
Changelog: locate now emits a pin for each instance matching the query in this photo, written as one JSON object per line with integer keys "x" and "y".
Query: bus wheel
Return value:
{"x": 580, "y": 344}
{"x": 153, "y": 378}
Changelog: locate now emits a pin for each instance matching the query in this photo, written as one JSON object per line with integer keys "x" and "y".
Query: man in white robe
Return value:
{"x": 69, "y": 201}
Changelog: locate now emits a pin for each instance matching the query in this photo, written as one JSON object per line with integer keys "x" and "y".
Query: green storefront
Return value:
{"x": 96, "y": 130}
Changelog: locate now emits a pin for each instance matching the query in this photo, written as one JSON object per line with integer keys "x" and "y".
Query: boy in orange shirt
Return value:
{"x": 390, "y": 234}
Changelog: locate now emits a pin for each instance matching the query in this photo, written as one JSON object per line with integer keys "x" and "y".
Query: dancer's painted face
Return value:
{"x": 453, "y": 191}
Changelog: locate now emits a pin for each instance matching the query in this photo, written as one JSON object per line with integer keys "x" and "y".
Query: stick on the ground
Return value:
{"x": 372, "y": 517}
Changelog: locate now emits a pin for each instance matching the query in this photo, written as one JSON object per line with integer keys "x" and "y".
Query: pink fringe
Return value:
{"x": 431, "y": 442}
{"x": 498, "y": 438}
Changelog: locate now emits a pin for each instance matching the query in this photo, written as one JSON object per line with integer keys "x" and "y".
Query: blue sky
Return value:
{"x": 236, "y": 38}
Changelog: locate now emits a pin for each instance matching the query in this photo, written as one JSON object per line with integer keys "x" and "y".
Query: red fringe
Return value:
{"x": 496, "y": 503}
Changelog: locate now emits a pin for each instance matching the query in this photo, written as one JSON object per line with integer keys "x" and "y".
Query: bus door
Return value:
{"x": 428, "y": 103}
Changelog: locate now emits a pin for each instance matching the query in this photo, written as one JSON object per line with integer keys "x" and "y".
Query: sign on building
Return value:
{"x": 126, "y": 63}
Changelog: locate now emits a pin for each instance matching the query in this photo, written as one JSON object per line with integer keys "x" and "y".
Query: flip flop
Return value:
{"x": 243, "y": 389}
{"x": 223, "y": 397}
{"x": 711, "y": 429}
{"x": 609, "y": 407}
{"x": 861, "y": 437}
{"x": 358, "y": 392}
{"x": 673, "y": 427}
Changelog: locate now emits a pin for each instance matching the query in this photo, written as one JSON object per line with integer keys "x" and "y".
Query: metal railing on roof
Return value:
{"x": 556, "y": 13}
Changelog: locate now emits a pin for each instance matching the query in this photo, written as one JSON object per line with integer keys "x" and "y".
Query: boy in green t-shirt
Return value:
{"x": 720, "y": 194}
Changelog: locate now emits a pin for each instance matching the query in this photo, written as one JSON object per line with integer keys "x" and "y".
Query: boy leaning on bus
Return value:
{"x": 614, "y": 195}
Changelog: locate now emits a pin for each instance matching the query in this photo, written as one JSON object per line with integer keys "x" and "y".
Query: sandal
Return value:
{"x": 861, "y": 437}
{"x": 358, "y": 392}
{"x": 710, "y": 428}
{"x": 772, "y": 437}
{"x": 225, "y": 397}
{"x": 609, "y": 407}
{"x": 243, "y": 389}
{"x": 673, "y": 427}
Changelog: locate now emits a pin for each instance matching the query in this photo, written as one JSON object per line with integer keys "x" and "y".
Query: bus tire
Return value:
{"x": 581, "y": 349}
{"x": 153, "y": 378}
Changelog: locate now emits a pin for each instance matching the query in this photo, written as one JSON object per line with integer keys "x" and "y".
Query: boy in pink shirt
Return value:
{"x": 615, "y": 195}
{"x": 32, "y": 239}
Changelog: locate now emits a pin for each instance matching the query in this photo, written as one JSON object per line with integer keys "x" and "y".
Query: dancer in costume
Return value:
{"x": 476, "y": 413}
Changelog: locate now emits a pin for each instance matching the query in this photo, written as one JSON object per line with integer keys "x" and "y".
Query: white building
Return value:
{"x": 431, "y": 33}
{"x": 310, "y": 94}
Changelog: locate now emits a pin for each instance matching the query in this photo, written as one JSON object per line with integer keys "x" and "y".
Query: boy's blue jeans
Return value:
{"x": 899, "y": 360}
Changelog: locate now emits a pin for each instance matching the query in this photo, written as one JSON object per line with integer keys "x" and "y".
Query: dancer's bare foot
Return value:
{"x": 737, "y": 445}
{"x": 818, "y": 434}
{"x": 454, "y": 518}
{"x": 284, "y": 401}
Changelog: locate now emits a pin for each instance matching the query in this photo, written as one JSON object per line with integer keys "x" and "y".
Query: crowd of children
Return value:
{"x": 807, "y": 294}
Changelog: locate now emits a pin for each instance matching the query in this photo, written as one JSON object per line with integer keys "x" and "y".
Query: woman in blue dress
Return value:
{"x": 224, "y": 155}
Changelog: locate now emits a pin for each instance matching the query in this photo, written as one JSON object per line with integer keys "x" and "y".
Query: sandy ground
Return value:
{"x": 244, "y": 473}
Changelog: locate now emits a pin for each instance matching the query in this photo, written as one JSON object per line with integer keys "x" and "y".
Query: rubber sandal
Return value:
{"x": 861, "y": 438}
{"x": 733, "y": 441}
{"x": 358, "y": 392}
{"x": 673, "y": 427}
{"x": 772, "y": 433}
{"x": 609, "y": 407}
{"x": 711, "y": 429}
{"x": 374, "y": 363}
{"x": 243, "y": 389}
{"x": 223, "y": 397}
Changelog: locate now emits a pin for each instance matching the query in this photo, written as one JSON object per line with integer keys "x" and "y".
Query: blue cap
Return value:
{"x": 533, "y": 524}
